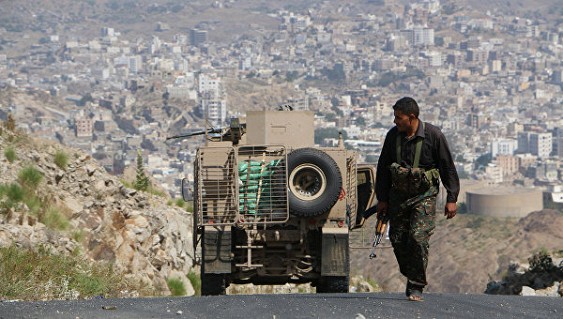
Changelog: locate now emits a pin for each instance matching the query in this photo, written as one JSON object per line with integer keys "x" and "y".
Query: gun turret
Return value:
{"x": 233, "y": 133}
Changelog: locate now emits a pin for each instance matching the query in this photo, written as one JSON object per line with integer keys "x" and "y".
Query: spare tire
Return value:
{"x": 314, "y": 182}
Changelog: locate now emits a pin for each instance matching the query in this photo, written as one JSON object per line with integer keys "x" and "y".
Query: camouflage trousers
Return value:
{"x": 410, "y": 231}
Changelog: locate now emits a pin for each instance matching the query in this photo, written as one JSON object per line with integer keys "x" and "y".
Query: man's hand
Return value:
{"x": 450, "y": 210}
{"x": 382, "y": 208}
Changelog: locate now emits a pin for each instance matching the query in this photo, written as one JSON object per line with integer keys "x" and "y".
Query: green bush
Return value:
{"x": 33, "y": 203}
{"x": 78, "y": 235}
{"x": 53, "y": 219}
{"x": 190, "y": 206}
{"x": 541, "y": 262}
{"x": 13, "y": 192}
{"x": 10, "y": 196}
{"x": 195, "y": 280}
{"x": 61, "y": 159}
{"x": 154, "y": 191}
{"x": 176, "y": 287}
{"x": 180, "y": 202}
{"x": 30, "y": 177}
{"x": 10, "y": 154}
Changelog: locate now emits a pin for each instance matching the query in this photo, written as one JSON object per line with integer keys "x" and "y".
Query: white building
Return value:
{"x": 215, "y": 109}
{"x": 503, "y": 146}
{"x": 419, "y": 35}
{"x": 135, "y": 63}
{"x": 541, "y": 144}
{"x": 209, "y": 83}
{"x": 494, "y": 173}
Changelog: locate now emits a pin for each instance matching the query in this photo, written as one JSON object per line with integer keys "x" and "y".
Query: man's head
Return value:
{"x": 406, "y": 115}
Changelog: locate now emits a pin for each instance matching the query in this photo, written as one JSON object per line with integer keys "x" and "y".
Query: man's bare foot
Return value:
{"x": 416, "y": 295}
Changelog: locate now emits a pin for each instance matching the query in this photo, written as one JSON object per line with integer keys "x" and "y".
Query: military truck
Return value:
{"x": 271, "y": 208}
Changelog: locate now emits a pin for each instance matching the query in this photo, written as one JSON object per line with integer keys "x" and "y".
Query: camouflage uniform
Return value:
{"x": 410, "y": 231}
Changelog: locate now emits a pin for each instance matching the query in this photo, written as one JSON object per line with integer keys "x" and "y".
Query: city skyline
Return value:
{"x": 492, "y": 83}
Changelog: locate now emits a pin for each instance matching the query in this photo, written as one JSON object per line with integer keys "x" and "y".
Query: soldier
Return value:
{"x": 414, "y": 158}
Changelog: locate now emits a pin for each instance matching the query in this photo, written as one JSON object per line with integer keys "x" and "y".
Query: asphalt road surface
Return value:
{"x": 341, "y": 306}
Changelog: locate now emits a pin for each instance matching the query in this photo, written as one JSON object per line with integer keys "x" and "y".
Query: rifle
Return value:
{"x": 379, "y": 231}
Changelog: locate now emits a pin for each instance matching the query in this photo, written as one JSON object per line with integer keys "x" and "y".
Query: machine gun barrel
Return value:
{"x": 209, "y": 131}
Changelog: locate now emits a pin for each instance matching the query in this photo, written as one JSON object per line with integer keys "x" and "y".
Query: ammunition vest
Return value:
{"x": 412, "y": 181}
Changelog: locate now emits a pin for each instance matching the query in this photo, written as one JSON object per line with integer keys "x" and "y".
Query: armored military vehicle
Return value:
{"x": 271, "y": 208}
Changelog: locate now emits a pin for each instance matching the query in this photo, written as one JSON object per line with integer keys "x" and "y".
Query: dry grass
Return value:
{"x": 27, "y": 274}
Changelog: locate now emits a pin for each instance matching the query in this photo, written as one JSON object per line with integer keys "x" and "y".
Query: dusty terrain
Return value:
{"x": 469, "y": 251}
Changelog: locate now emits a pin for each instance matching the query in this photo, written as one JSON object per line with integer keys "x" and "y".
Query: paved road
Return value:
{"x": 341, "y": 306}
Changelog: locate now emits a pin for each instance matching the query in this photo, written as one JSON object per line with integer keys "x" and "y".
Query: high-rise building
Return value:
{"x": 423, "y": 36}
{"x": 198, "y": 37}
{"x": 478, "y": 56}
{"x": 215, "y": 109}
{"x": 541, "y": 144}
{"x": 558, "y": 142}
{"x": 107, "y": 32}
{"x": 419, "y": 36}
{"x": 212, "y": 102}
{"x": 538, "y": 144}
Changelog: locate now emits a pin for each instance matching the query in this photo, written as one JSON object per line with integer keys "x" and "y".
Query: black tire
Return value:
{"x": 314, "y": 182}
{"x": 213, "y": 284}
{"x": 333, "y": 284}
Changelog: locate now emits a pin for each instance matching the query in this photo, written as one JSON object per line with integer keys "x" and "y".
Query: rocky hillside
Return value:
{"x": 469, "y": 251}
{"x": 143, "y": 237}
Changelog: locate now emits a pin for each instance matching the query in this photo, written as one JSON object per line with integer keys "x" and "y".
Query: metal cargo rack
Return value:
{"x": 241, "y": 185}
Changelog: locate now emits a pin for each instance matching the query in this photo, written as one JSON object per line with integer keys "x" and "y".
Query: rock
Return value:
{"x": 73, "y": 204}
{"x": 90, "y": 169}
{"x": 59, "y": 176}
{"x": 127, "y": 192}
{"x": 100, "y": 186}
{"x": 552, "y": 291}
{"x": 527, "y": 291}
{"x": 83, "y": 158}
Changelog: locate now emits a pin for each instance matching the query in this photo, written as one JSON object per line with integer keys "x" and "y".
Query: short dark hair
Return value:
{"x": 407, "y": 105}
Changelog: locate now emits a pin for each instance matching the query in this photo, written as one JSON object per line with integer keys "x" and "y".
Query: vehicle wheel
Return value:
{"x": 314, "y": 182}
{"x": 333, "y": 284}
{"x": 213, "y": 284}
